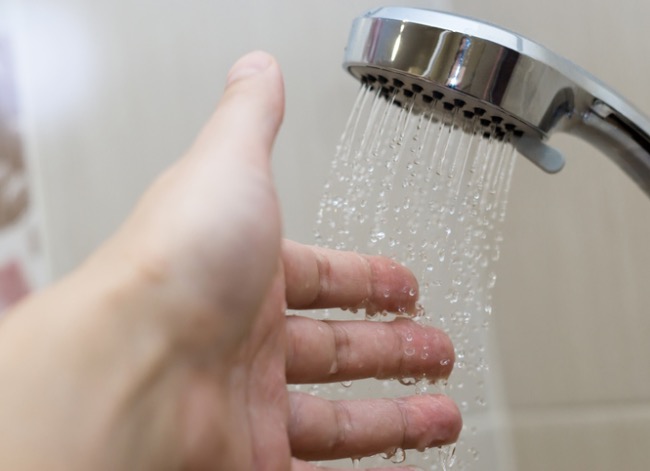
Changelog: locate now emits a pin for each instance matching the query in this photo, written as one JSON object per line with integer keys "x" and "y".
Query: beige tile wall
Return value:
{"x": 572, "y": 304}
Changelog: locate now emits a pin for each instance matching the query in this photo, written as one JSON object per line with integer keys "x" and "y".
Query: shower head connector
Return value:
{"x": 437, "y": 59}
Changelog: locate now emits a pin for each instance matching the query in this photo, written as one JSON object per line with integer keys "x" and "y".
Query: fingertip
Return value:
{"x": 395, "y": 287}
{"x": 440, "y": 421}
{"x": 257, "y": 75}
{"x": 251, "y": 64}
{"x": 450, "y": 419}
{"x": 248, "y": 117}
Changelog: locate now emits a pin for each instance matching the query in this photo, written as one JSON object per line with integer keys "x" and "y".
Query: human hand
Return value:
{"x": 169, "y": 348}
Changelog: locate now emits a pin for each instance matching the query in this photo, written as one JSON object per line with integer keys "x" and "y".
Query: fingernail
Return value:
{"x": 249, "y": 65}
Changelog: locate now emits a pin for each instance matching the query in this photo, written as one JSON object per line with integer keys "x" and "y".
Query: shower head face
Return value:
{"x": 450, "y": 60}
{"x": 431, "y": 59}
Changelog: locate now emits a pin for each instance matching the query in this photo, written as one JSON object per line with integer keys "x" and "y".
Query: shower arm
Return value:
{"x": 619, "y": 138}
{"x": 513, "y": 78}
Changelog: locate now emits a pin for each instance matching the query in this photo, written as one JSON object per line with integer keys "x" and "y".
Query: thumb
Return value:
{"x": 213, "y": 217}
{"x": 249, "y": 114}
{"x": 229, "y": 219}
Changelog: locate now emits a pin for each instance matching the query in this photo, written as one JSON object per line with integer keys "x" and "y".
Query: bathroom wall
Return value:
{"x": 115, "y": 91}
{"x": 571, "y": 314}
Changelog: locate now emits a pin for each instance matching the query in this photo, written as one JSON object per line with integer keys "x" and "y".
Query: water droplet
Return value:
{"x": 399, "y": 456}
{"x": 407, "y": 381}
{"x": 441, "y": 384}
{"x": 452, "y": 296}
{"x": 422, "y": 387}
{"x": 372, "y": 315}
{"x": 396, "y": 455}
{"x": 492, "y": 280}
{"x": 447, "y": 455}
{"x": 346, "y": 384}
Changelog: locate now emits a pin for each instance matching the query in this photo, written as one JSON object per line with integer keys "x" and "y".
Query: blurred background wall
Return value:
{"x": 113, "y": 92}
{"x": 572, "y": 300}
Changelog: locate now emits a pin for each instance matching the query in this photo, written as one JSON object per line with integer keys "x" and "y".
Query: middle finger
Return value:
{"x": 329, "y": 351}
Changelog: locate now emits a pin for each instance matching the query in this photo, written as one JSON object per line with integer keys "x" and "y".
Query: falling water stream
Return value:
{"x": 428, "y": 189}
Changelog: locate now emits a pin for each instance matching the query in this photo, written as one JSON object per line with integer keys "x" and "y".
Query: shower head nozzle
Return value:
{"x": 434, "y": 59}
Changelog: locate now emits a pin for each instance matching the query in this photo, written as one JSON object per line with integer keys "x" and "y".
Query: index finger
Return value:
{"x": 318, "y": 278}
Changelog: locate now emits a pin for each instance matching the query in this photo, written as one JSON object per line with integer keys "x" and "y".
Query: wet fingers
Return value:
{"x": 319, "y": 278}
{"x": 319, "y": 352}
{"x": 322, "y": 430}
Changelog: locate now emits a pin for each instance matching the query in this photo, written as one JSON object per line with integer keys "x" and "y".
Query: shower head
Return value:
{"x": 508, "y": 83}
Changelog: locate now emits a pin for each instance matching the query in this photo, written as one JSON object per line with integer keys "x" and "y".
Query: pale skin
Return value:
{"x": 170, "y": 347}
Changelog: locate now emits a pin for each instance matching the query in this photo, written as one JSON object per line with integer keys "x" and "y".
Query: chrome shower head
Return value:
{"x": 507, "y": 82}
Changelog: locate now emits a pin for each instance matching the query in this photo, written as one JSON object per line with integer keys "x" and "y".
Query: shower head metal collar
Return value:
{"x": 438, "y": 59}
